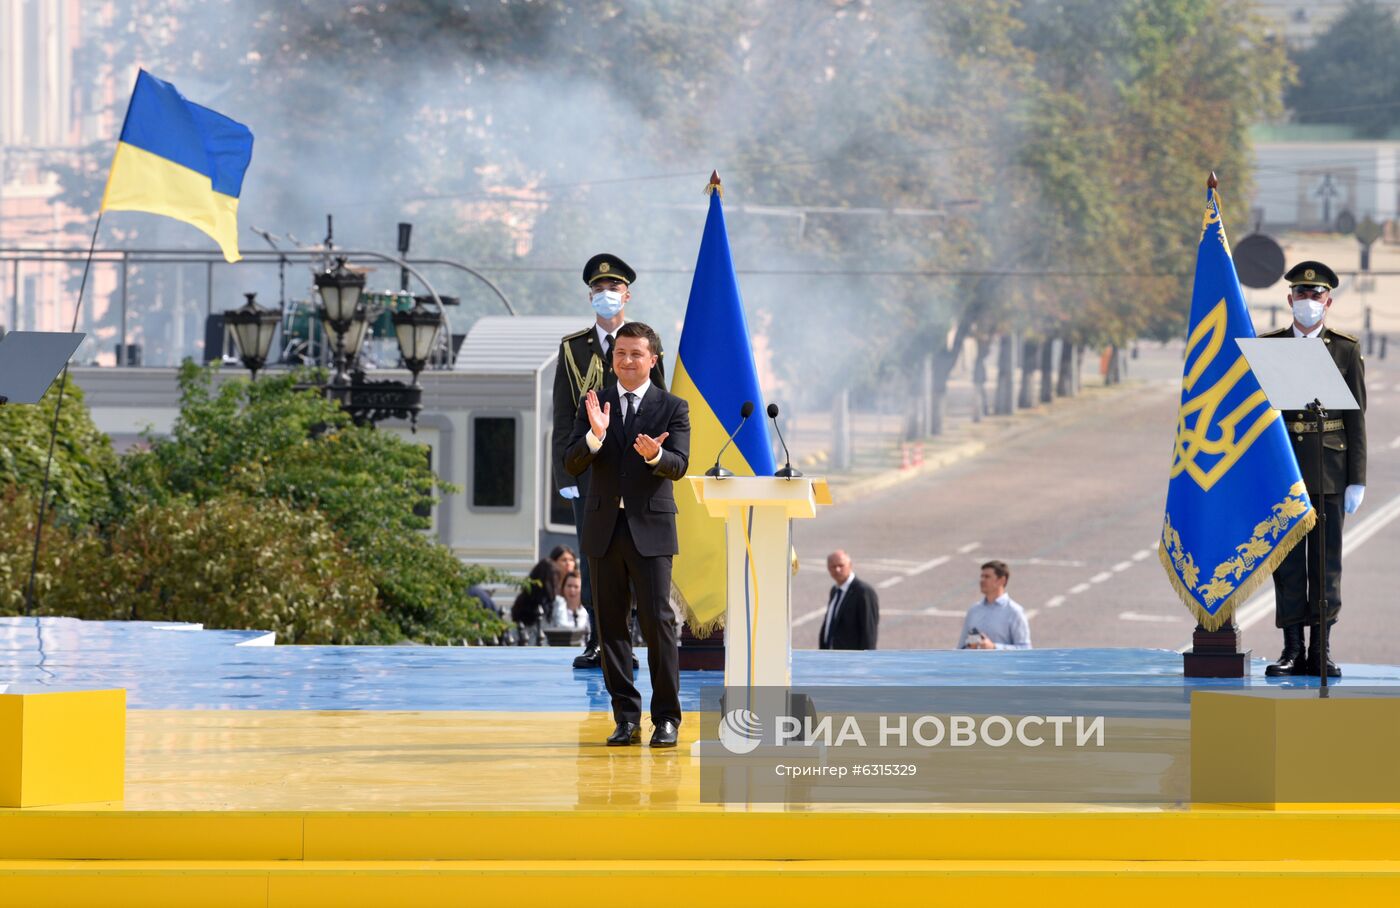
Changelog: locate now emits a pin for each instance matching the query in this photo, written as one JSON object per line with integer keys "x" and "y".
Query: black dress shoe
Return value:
{"x": 589, "y": 658}
{"x": 626, "y": 733}
{"x": 665, "y": 734}
{"x": 1333, "y": 670}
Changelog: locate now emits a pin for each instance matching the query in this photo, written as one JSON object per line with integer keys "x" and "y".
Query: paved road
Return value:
{"x": 1075, "y": 507}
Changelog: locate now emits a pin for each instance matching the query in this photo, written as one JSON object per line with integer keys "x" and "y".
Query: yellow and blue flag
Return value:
{"x": 181, "y": 160}
{"x": 1236, "y": 504}
{"x": 715, "y": 373}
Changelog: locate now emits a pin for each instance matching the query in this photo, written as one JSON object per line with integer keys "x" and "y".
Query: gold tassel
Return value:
{"x": 1241, "y": 593}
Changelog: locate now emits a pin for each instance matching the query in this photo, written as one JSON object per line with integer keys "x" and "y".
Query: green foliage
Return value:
{"x": 1350, "y": 74}
{"x": 83, "y": 461}
{"x": 266, "y": 508}
{"x": 228, "y": 563}
{"x": 269, "y": 440}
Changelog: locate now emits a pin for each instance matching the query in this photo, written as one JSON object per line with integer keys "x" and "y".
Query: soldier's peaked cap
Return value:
{"x": 1313, "y": 274}
{"x": 605, "y": 264}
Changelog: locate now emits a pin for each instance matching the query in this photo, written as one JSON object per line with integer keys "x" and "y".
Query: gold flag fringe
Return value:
{"x": 1245, "y": 590}
{"x": 699, "y": 629}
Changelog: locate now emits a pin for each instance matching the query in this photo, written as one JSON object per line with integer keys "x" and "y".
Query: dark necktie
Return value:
{"x": 630, "y": 418}
{"x": 831, "y": 613}
{"x": 607, "y": 352}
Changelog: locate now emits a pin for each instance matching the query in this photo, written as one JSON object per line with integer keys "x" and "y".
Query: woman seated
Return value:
{"x": 568, "y": 605}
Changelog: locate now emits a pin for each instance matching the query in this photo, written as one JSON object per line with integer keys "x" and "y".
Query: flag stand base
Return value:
{"x": 697, "y": 655}
{"x": 1216, "y": 654}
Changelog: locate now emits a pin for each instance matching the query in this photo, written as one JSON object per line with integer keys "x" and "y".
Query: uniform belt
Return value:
{"x": 1310, "y": 425}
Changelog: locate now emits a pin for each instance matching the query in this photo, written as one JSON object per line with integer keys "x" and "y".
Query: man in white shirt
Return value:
{"x": 997, "y": 622}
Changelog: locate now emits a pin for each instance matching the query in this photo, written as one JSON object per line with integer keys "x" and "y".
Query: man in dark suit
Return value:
{"x": 634, "y": 441}
{"x": 1343, "y": 472}
{"x": 585, "y": 364}
{"x": 852, "y": 611}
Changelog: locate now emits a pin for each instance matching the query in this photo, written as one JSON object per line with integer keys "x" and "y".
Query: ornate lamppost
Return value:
{"x": 253, "y": 328}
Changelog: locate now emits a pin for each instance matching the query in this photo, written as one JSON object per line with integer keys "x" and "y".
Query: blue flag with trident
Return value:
{"x": 1236, "y": 504}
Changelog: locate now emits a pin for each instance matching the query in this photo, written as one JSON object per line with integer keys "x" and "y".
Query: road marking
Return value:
{"x": 1122, "y": 566}
{"x": 1261, "y": 605}
{"x": 1159, "y": 619}
{"x": 935, "y": 612}
{"x": 810, "y": 616}
{"x": 1050, "y": 562}
{"x": 929, "y": 565}
{"x": 1139, "y": 556}
{"x": 1031, "y": 613}
{"x": 889, "y": 582}
{"x": 1055, "y": 602}
{"x": 1373, "y": 401}
{"x": 1079, "y": 588}
{"x": 1395, "y": 443}
{"x": 1100, "y": 577}
{"x": 969, "y": 547}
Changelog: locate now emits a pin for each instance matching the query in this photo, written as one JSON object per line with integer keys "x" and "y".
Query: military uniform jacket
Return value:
{"x": 581, "y": 368}
{"x": 1344, "y": 447}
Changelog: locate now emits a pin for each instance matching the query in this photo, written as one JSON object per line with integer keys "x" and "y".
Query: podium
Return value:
{"x": 758, "y": 512}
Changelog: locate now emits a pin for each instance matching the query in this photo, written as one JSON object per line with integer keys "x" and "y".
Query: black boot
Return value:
{"x": 1333, "y": 671}
{"x": 1292, "y": 661}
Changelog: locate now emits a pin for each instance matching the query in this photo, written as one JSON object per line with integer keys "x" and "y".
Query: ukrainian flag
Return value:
{"x": 1236, "y": 504}
{"x": 715, "y": 374}
{"x": 181, "y": 160}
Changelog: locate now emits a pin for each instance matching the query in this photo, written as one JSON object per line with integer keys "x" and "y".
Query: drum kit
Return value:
{"x": 304, "y": 339}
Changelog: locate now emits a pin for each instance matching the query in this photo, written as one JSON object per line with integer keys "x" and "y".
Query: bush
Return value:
{"x": 84, "y": 464}
{"x": 268, "y": 440}
{"x": 228, "y": 563}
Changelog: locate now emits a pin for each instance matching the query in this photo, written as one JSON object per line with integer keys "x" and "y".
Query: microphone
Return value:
{"x": 718, "y": 471}
{"x": 788, "y": 471}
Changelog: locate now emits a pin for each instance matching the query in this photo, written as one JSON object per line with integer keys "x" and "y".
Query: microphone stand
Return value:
{"x": 1319, "y": 415}
{"x": 788, "y": 471}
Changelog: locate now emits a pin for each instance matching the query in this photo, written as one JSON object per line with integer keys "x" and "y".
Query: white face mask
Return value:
{"x": 1308, "y": 312}
{"x": 607, "y": 303}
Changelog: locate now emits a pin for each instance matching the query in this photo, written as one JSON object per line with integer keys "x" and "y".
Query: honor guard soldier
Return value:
{"x": 585, "y": 364}
{"x": 1310, "y": 286}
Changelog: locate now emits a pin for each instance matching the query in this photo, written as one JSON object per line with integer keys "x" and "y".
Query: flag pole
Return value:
{"x": 53, "y": 430}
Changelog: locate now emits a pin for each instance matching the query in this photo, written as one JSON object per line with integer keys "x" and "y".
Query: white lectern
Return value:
{"x": 758, "y": 512}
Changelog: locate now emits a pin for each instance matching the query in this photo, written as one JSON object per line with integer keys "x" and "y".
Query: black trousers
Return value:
{"x": 650, "y": 576}
{"x": 1296, "y": 578}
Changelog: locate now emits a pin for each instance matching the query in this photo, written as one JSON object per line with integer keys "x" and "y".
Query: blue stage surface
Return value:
{"x": 175, "y": 666}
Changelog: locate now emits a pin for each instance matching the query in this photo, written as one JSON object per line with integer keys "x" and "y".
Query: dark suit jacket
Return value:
{"x": 619, "y": 474}
{"x": 1344, "y": 450}
{"x": 857, "y": 621}
{"x": 580, "y": 349}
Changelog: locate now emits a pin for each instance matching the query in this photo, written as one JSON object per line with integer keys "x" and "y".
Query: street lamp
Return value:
{"x": 340, "y": 289}
{"x": 417, "y": 332}
{"x": 253, "y": 328}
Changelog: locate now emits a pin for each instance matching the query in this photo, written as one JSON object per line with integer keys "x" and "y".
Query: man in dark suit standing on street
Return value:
{"x": 852, "y": 611}
{"x": 585, "y": 364}
{"x": 1343, "y": 472}
{"x": 634, "y": 439}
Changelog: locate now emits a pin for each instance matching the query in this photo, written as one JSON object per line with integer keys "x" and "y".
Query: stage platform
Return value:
{"x": 264, "y": 775}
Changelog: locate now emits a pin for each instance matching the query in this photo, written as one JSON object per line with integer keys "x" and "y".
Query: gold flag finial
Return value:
{"x": 1212, "y": 182}
{"x": 714, "y": 185}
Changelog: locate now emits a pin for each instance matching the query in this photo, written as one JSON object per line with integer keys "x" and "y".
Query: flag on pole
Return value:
{"x": 181, "y": 160}
{"x": 715, "y": 373}
{"x": 1236, "y": 504}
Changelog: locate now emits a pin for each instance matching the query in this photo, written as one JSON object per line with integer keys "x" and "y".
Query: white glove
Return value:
{"x": 572, "y": 492}
{"x": 1352, "y": 498}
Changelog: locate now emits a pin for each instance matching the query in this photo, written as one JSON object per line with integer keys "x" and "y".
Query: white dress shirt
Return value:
{"x": 595, "y": 444}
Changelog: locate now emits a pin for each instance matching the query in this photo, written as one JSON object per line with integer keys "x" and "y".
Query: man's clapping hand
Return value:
{"x": 649, "y": 447}
{"x": 598, "y": 417}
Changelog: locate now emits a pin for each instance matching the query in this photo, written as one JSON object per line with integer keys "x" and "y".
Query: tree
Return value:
{"x": 271, "y": 440}
{"x": 84, "y": 464}
{"x": 1349, "y": 75}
